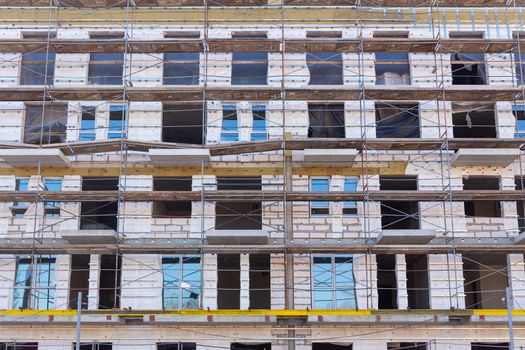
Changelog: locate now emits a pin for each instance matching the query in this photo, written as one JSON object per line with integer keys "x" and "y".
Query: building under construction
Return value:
{"x": 262, "y": 174}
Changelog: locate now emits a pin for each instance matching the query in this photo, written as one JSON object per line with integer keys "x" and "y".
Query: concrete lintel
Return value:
{"x": 237, "y": 237}
{"x": 485, "y": 156}
{"x": 90, "y": 236}
{"x": 325, "y": 157}
{"x": 30, "y": 157}
{"x": 406, "y": 236}
{"x": 179, "y": 157}
{"x": 396, "y": 319}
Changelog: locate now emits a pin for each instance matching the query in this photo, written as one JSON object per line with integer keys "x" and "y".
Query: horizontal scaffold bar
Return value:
{"x": 363, "y": 3}
{"x": 483, "y": 93}
{"x": 266, "y": 45}
{"x": 256, "y": 195}
{"x": 114, "y": 145}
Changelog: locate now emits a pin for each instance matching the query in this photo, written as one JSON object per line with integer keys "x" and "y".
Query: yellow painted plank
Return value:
{"x": 280, "y": 313}
{"x": 497, "y": 312}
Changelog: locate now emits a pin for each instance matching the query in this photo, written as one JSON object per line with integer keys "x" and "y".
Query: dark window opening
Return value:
{"x": 249, "y": 34}
{"x": 18, "y": 346}
{"x": 228, "y": 281}
{"x": 397, "y": 120}
{"x": 468, "y": 68}
{"x": 182, "y": 34}
{"x": 490, "y": 346}
{"x": 183, "y": 123}
{"x": 94, "y": 346}
{"x": 520, "y": 205}
{"x": 485, "y": 280}
{"x": 106, "y": 68}
{"x": 399, "y": 215}
{"x": 482, "y": 208}
{"x": 172, "y": 209}
{"x": 417, "y": 281}
{"x": 238, "y": 215}
{"x": 176, "y": 346}
{"x": 117, "y": 122}
{"x": 249, "y": 68}
{"x": 330, "y": 346}
{"x": 319, "y": 34}
{"x": 181, "y": 68}
{"x": 45, "y": 124}
{"x": 473, "y": 120}
{"x": 326, "y": 120}
{"x": 248, "y": 346}
{"x": 109, "y": 289}
{"x": 406, "y": 346}
{"x": 386, "y": 281}
{"x": 38, "y": 68}
{"x": 99, "y": 215}
{"x": 79, "y": 281}
{"x": 260, "y": 281}
{"x": 326, "y": 68}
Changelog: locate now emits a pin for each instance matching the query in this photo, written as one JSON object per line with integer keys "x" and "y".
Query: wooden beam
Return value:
{"x": 266, "y": 45}
{"x": 253, "y": 195}
{"x": 366, "y": 3}
{"x": 483, "y": 93}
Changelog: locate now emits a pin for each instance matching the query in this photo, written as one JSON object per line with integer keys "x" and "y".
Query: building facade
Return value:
{"x": 296, "y": 174}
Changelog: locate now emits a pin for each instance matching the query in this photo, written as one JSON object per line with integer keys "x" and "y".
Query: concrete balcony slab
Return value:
{"x": 179, "y": 157}
{"x": 406, "y": 236}
{"x": 236, "y": 237}
{"x": 31, "y": 157}
{"x": 90, "y": 236}
{"x": 481, "y": 156}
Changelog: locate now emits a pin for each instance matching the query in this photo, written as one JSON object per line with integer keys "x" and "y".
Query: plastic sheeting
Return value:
{"x": 397, "y": 121}
{"x": 106, "y": 68}
{"x": 468, "y": 73}
{"x": 249, "y": 68}
{"x": 181, "y": 68}
{"x": 392, "y": 68}
{"x": 45, "y": 124}
{"x": 325, "y": 68}
{"x": 326, "y": 120}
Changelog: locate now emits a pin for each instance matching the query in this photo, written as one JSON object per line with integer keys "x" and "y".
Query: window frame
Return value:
{"x": 226, "y": 133}
{"x": 34, "y": 288}
{"x": 350, "y": 204}
{"x": 260, "y": 132}
{"x": 519, "y": 133}
{"x": 120, "y": 131}
{"x": 87, "y": 133}
{"x": 18, "y": 209}
{"x": 52, "y": 209}
{"x": 319, "y": 204}
{"x": 334, "y": 286}
{"x": 180, "y": 281}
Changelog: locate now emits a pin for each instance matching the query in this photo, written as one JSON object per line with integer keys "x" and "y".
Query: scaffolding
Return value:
{"x": 279, "y": 191}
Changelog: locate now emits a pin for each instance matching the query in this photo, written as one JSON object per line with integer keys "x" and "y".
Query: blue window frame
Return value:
{"x": 230, "y": 124}
{"x": 52, "y": 208}
{"x": 182, "y": 282}
{"x": 333, "y": 282}
{"x": 20, "y": 208}
{"x": 117, "y": 122}
{"x": 259, "y": 131}
{"x": 519, "y": 114}
{"x": 87, "y": 124}
{"x": 350, "y": 185}
{"x": 34, "y": 289}
{"x": 319, "y": 208}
